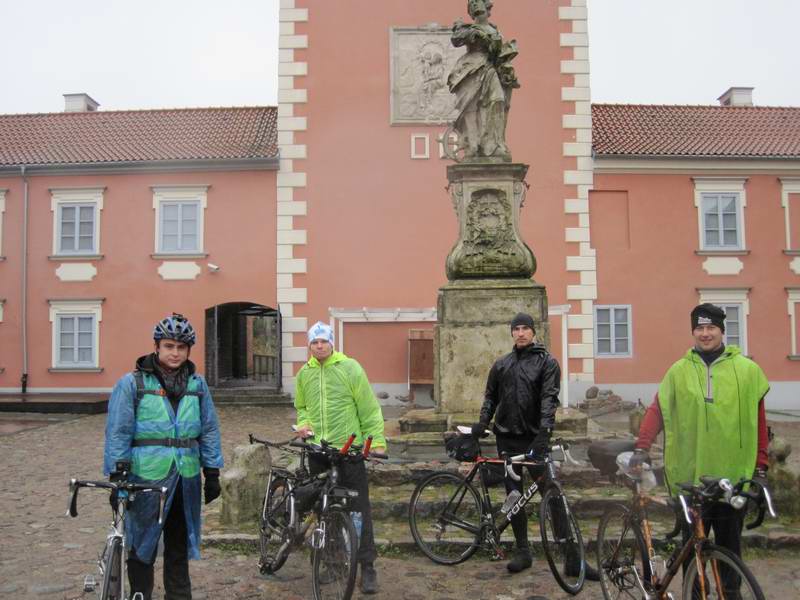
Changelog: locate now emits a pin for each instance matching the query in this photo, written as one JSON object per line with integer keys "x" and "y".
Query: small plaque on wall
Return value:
{"x": 421, "y": 59}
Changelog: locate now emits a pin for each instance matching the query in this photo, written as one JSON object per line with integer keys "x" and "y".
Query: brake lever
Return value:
{"x": 72, "y": 505}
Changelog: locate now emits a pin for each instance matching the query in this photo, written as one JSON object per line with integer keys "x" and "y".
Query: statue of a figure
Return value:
{"x": 482, "y": 81}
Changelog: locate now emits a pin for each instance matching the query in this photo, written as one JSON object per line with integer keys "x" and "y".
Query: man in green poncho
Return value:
{"x": 334, "y": 399}
{"x": 710, "y": 405}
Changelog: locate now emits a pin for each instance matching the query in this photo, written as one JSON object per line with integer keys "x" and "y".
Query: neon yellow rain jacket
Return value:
{"x": 335, "y": 400}
{"x": 711, "y": 417}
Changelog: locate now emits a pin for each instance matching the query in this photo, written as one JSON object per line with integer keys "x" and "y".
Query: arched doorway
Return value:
{"x": 243, "y": 346}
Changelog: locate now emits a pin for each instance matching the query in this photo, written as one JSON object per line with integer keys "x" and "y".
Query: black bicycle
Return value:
{"x": 300, "y": 507}
{"x": 111, "y": 562}
{"x": 450, "y": 519}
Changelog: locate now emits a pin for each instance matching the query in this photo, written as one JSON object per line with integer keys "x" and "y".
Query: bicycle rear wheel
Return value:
{"x": 724, "y": 576}
{"x": 334, "y": 560}
{"x": 621, "y": 555}
{"x": 274, "y": 526}
{"x": 562, "y": 541}
{"x": 444, "y": 515}
{"x": 112, "y": 571}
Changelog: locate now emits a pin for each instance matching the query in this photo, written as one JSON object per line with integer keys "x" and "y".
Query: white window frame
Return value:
{"x": 2, "y": 210}
{"x": 182, "y": 195}
{"x": 60, "y": 197}
{"x": 726, "y": 296}
{"x": 75, "y": 308}
{"x": 791, "y": 303}
{"x": 629, "y": 323}
{"x": 713, "y": 185}
{"x": 789, "y": 185}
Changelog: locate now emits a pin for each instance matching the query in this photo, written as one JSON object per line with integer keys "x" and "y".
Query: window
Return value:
{"x": 721, "y": 221}
{"x": 75, "y": 333}
{"x": 736, "y": 305}
{"x": 793, "y": 304}
{"x": 790, "y": 199}
{"x": 613, "y": 331}
{"x": 76, "y": 222}
{"x": 179, "y": 219}
{"x": 720, "y": 204}
{"x": 2, "y": 210}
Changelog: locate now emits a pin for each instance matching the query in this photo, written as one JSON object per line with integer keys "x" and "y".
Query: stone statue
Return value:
{"x": 482, "y": 81}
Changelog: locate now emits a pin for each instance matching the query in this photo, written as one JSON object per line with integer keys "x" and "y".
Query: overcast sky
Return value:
{"x": 176, "y": 53}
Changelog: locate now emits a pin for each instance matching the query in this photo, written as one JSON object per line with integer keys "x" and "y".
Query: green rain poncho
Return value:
{"x": 711, "y": 417}
{"x": 335, "y": 400}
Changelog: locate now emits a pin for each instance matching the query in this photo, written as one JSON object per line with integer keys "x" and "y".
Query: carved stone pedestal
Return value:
{"x": 473, "y": 330}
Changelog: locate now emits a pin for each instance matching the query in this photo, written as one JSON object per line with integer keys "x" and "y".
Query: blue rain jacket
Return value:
{"x": 142, "y": 528}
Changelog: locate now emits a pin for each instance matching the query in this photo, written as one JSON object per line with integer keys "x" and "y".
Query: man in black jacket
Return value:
{"x": 522, "y": 396}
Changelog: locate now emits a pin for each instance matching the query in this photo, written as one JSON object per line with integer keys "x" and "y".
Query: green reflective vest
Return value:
{"x": 711, "y": 417}
{"x": 156, "y": 420}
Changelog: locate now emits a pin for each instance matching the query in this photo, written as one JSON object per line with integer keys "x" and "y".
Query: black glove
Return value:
{"x": 211, "y": 487}
{"x": 760, "y": 477}
{"x": 479, "y": 429}
{"x": 640, "y": 457}
{"x": 541, "y": 445}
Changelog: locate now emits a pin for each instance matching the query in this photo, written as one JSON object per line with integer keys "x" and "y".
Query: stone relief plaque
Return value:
{"x": 420, "y": 60}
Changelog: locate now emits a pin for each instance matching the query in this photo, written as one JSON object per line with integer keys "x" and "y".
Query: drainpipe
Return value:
{"x": 24, "y": 381}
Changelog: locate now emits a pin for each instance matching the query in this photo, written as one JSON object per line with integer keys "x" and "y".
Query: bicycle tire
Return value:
{"x": 439, "y": 501}
{"x": 333, "y": 575}
{"x": 563, "y": 551}
{"x": 741, "y": 584}
{"x": 112, "y": 582}
{"x": 274, "y": 526}
{"x": 620, "y": 544}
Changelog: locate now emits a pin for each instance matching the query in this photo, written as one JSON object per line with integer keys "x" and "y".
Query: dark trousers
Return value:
{"x": 353, "y": 475}
{"x": 512, "y": 447}
{"x": 727, "y": 524}
{"x": 177, "y": 585}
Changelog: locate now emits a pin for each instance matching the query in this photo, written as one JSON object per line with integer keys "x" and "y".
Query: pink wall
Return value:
{"x": 381, "y": 224}
{"x": 659, "y": 272}
{"x": 239, "y": 237}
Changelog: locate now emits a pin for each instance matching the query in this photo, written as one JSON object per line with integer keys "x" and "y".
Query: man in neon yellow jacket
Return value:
{"x": 334, "y": 399}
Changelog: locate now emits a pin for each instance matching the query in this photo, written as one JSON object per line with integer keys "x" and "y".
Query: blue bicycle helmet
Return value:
{"x": 176, "y": 327}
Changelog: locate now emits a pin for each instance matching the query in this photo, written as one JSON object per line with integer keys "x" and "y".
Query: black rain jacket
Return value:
{"x": 522, "y": 392}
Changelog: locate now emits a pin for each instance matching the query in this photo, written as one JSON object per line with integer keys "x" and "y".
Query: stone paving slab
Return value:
{"x": 44, "y": 554}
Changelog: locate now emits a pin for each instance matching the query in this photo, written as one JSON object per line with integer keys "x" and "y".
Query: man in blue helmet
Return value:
{"x": 162, "y": 422}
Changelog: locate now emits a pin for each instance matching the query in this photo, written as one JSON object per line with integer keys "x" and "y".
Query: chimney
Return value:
{"x": 79, "y": 103}
{"x": 737, "y": 96}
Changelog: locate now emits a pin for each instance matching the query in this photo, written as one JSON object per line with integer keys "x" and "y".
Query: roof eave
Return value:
{"x": 271, "y": 163}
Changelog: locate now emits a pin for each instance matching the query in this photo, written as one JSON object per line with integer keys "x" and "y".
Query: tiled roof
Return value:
{"x": 696, "y": 131}
{"x": 108, "y": 137}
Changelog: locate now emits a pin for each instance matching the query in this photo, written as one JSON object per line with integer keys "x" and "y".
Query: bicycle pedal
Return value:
{"x": 89, "y": 583}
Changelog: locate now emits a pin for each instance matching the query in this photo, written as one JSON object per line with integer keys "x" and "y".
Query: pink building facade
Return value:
{"x": 343, "y": 216}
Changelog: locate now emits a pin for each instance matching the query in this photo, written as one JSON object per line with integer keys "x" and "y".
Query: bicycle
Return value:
{"x": 296, "y": 502}
{"x": 630, "y": 567}
{"x": 111, "y": 562}
{"x": 450, "y": 520}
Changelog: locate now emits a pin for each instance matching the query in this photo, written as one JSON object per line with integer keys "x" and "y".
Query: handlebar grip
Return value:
{"x": 379, "y": 455}
{"x": 72, "y": 506}
{"x": 367, "y": 446}
{"x": 296, "y": 444}
{"x": 161, "y": 503}
{"x": 347, "y": 445}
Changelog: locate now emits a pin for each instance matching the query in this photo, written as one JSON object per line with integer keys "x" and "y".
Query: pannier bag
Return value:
{"x": 305, "y": 496}
{"x": 464, "y": 448}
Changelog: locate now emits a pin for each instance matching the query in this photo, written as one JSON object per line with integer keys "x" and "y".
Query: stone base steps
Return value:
{"x": 250, "y": 397}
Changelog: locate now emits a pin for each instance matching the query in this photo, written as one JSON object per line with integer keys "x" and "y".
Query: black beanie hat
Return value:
{"x": 522, "y": 319}
{"x": 708, "y": 314}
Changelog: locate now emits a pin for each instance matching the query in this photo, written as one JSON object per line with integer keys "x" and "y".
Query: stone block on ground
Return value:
{"x": 243, "y": 484}
{"x": 423, "y": 420}
{"x": 571, "y": 420}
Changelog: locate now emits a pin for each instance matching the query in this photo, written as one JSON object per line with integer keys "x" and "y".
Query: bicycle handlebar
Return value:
{"x": 348, "y": 449}
{"x": 125, "y": 486}
{"x": 722, "y": 490}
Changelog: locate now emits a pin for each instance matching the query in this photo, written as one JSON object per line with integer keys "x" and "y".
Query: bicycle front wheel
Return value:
{"x": 274, "y": 526}
{"x": 445, "y": 518}
{"x": 334, "y": 561}
{"x": 562, "y": 541}
{"x": 724, "y": 575}
{"x": 621, "y": 555}
{"x": 112, "y": 570}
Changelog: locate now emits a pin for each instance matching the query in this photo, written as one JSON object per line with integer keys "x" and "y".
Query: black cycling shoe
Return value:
{"x": 572, "y": 569}
{"x": 520, "y": 560}
{"x": 369, "y": 579}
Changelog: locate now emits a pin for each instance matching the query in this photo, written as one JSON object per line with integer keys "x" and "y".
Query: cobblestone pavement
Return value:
{"x": 44, "y": 554}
